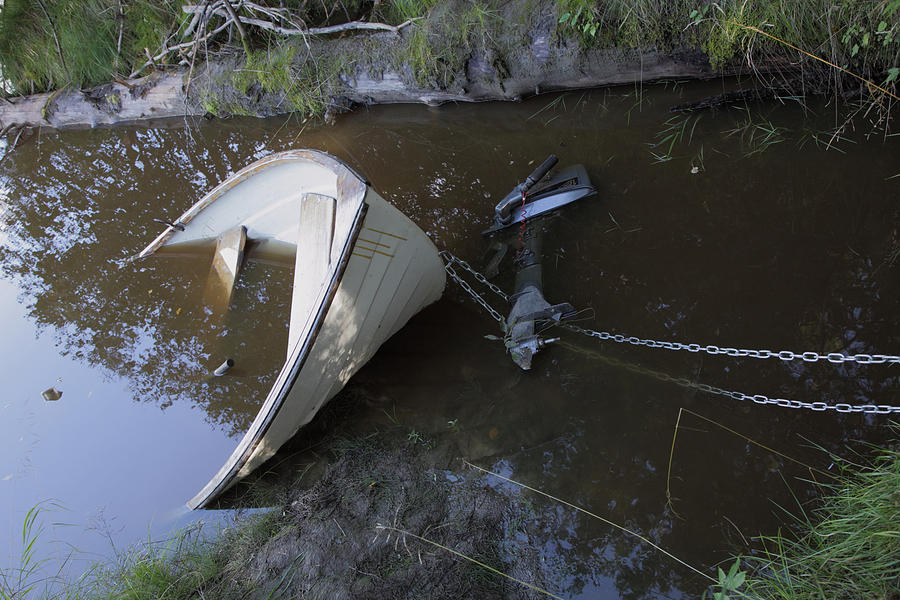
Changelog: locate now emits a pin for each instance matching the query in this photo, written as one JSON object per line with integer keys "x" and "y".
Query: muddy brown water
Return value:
{"x": 743, "y": 230}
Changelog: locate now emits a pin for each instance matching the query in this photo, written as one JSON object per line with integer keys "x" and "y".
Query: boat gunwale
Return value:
{"x": 319, "y": 157}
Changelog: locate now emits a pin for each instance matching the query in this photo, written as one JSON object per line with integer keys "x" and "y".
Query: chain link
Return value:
{"x": 450, "y": 260}
{"x": 785, "y": 355}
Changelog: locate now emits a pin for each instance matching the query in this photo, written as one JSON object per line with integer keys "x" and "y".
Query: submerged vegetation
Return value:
{"x": 383, "y": 521}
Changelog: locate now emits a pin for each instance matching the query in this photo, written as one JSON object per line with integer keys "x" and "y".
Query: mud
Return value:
{"x": 332, "y": 545}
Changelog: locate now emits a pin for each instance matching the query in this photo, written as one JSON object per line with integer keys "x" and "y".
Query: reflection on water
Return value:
{"x": 713, "y": 240}
{"x": 84, "y": 206}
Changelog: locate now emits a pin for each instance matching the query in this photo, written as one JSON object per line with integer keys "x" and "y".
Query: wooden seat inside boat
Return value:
{"x": 312, "y": 264}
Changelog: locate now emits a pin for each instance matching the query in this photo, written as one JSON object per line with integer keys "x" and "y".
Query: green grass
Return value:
{"x": 21, "y": 580}
{"x": 73, "y": 43}
{"x": 677, "y": 130}
{"x": 436, "y": 49}
{"x": 186, "y": 566}
{"x": 861, "y": 36}
{"x": 756, "y": 134}
{"x": 399, "y": 11}
{"x": 849, "y": 547}
{"x": 285, "y": 69}
{"x": 147, "y": 25}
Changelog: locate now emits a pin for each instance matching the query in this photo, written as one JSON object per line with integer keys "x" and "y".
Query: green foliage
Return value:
{"x": 303, "y": 83}
{"x": 852, "y": 545}
{"x": 628, "y": 23}
{"x": 860, "y": 35}
{"x": 729, "y": 583}
{"x": 148, "y": 24}
{"x": 86, "y": 36}
{"x": 580, "y": 19}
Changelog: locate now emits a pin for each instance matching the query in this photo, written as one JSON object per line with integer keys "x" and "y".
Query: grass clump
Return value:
{"x": 861, "y": 37}
{"x": 47, "y": 44}
{"x": 437, "y": 48}
{"x": 187, "y": 566}
{"x": 148, "y": 24}
{"x": 50, "y": 44}
{"x": 850, "y": 548}
{"x": 298, "y": 81}
{"x": 853, "y": 36}
{"x": 398, "y": 11}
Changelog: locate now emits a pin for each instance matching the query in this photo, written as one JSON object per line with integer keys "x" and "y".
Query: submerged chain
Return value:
{"x": 785, "y": 355}
{"x": 450, "y": 260}
{"x": 879, "y": 409}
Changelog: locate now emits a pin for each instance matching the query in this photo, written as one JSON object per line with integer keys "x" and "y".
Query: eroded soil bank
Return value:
{"x": 360, "y": 531}
{"x": 523, "y": 56}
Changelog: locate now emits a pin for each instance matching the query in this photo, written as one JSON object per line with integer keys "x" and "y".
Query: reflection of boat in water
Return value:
{"x": 361, "y": 270}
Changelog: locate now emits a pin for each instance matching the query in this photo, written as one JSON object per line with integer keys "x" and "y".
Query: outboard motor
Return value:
{"x": 523, "y": 206}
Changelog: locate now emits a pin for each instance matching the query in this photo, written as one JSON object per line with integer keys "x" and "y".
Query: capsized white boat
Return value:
{"x": 361, "y": 270}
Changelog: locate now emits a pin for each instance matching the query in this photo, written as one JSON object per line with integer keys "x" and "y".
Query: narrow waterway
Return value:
{"x": 738, "y": 227}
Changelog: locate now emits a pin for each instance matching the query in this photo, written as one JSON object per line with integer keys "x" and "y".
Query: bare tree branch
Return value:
{"x": 281, "y": 23}
{"x": 268, "y": 25}
{"x": 237, "y": 23}
{"x": 178, "y": 47}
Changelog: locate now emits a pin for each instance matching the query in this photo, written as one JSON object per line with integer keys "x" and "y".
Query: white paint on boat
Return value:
{"x": 362, "y": 270}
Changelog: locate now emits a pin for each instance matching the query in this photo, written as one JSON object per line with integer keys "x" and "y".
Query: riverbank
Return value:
{"x": 458, "y": 51}
{"x": 410, "y": 519}
{"x": 386, "y": 519}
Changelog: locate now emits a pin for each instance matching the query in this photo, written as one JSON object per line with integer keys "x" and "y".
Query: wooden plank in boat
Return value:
{"x": 312, "y": 266}
{"x": 225, "y": 267}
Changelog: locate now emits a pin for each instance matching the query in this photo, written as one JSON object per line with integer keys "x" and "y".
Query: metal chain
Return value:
{"x": 879, "y": 409}
{"x": 785, "y": 355}
{"x": 450, "y": 260}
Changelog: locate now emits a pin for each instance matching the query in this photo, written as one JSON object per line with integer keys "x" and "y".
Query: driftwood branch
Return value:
{"x": 279, "y": 21}
{"x": 270, "y": 26}
{"x": 177, "y": 47}
{"x": 237, "y": 23}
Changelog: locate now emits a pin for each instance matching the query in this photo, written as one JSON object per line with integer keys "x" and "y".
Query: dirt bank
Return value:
{"x": 359, "y": 531}
{"x": 423, "y": 63}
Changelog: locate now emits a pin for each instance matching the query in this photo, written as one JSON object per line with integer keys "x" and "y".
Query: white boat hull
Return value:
{"x": 393, "y": 272}
{"x": 362, "y": 270}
